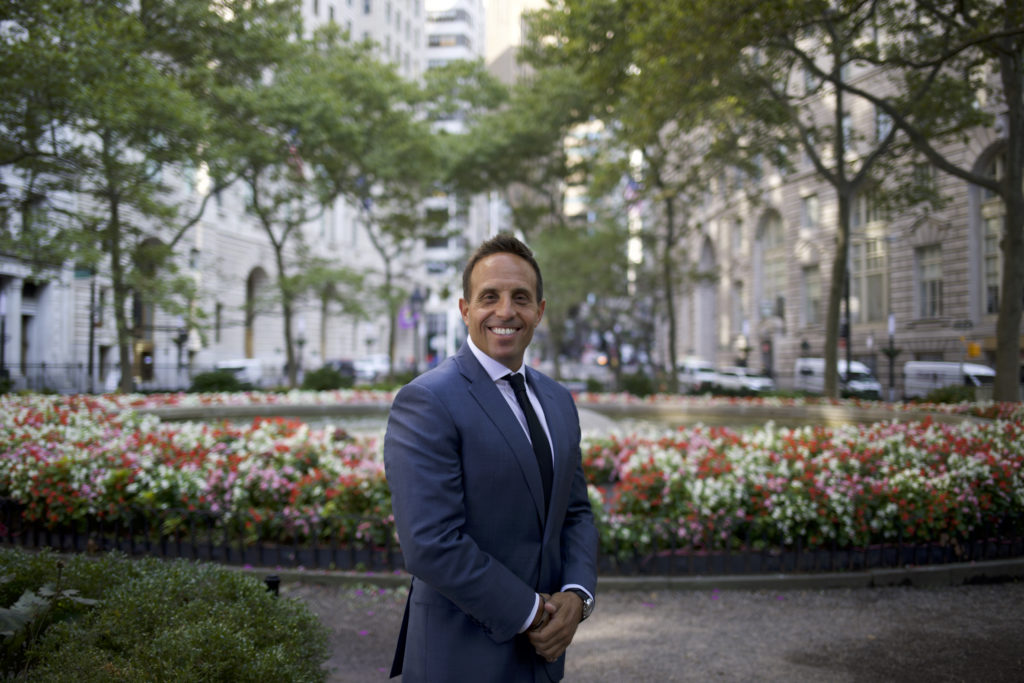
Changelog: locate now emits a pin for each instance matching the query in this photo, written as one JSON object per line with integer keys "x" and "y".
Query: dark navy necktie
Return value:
{"x": 541, "y": 449}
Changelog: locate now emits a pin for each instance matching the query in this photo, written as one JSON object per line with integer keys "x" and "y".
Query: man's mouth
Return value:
{"x": 504, "y": 331}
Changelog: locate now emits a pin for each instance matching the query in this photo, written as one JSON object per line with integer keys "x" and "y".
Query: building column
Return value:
{"x": 12, "y": 330}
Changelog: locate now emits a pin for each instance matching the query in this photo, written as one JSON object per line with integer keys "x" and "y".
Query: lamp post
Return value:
{"x": 891, "y": 351}
{"x": 301, "y": 341}
{"x": 3, "y": 335}
{"x": 179, "y": 341}
{"x": 416, "y": 301}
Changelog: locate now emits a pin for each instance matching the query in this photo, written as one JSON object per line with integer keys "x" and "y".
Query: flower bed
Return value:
{"x": 73, "y": 460}
{"x": 68, "y": 460}
{"x": 849, "y": 486}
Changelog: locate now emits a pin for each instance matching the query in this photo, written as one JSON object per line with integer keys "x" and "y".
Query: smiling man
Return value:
{"x": 482, "y": 455}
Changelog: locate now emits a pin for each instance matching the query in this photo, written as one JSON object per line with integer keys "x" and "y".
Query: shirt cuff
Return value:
{"x": 576, "y": 585}
{"x": 529, "y": 617}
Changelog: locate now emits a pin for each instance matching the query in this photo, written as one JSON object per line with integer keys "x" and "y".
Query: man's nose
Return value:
{"x": 505, "y": 307}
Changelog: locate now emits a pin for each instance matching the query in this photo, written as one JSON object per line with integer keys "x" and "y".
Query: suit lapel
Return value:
{"x": 483, "y": 390}
{"x": 559, "y": 433}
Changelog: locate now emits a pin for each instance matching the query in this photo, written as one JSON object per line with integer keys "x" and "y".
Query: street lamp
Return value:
{"x": 3, "y": 335}
{"x": 301, "y": 341}
{"x": 416, "y": 301}
{"x": 891, "y": 351}
{"x": 179, "y": 341}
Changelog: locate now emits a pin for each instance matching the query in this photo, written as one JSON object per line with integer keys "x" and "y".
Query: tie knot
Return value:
{"x": 517, "y": 381}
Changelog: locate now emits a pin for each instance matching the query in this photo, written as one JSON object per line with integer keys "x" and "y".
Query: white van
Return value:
{"x": 923, "y": 376}
{"x": 249, "y": 370}
{"x": 696, "y": 375}
{"x": 809, "y": 375}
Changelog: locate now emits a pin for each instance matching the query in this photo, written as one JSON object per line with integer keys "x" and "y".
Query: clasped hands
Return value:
{"x": 555, "y": 624}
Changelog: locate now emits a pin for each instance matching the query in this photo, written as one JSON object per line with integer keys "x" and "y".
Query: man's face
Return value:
{"x": 502, "y": 311}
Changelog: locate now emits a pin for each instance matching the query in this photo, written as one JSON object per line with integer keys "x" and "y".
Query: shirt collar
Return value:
{"x": 493, "y": 368}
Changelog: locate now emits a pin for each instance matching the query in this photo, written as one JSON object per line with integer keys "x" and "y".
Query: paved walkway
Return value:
{"x": 781, "y": 632}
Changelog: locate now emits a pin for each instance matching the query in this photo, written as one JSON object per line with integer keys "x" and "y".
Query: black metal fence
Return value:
{"x": 345, "y": 546}
{"x": 206, "y": 536}
{"x": 74, "y": 378}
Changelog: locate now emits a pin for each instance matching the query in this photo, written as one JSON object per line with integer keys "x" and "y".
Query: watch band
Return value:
{"x": 588, "y": 602}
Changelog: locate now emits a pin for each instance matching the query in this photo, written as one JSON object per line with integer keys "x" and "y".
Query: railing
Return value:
{"x": 73, "y": 378}
{"x": 206, "y": 536}
{"x": 346, "y": 545}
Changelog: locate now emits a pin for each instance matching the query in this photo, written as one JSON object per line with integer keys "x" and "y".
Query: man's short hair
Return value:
{"x": 502, "y": 243}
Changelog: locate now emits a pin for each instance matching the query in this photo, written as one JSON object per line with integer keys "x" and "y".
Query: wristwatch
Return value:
{"x": 588, "y": 602}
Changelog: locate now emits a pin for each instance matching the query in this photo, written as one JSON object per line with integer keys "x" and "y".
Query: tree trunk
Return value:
{"x": 286, "y": 309}
{"x": 124, "y": 338}
{"x": 835, "y": 296}
{"x": 1008, "y": 335}
{"x": 668, "y": 283}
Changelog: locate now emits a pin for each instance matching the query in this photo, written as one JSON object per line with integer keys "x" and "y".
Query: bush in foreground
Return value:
{"x": 115, "y": 619}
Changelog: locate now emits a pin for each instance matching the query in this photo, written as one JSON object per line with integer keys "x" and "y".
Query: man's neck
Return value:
{"x": 495, "y": 369}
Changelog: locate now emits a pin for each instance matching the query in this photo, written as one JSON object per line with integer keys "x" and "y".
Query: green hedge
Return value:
{"x": 114, "y": 619}
{"x": 223, "y": 381}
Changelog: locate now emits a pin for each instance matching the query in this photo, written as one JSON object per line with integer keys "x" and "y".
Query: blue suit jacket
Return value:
{"x": 468, "y": 503}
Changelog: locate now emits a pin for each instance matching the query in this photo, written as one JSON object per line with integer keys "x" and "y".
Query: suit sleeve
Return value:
{"x": 424, "y": 471}
{"x": 579, "y": 535}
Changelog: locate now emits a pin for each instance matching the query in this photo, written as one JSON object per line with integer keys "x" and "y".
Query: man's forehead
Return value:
{"x": 503, "y": 271}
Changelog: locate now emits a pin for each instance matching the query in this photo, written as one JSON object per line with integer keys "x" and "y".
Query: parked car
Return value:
{"x": 809, "y": 375}
{"x": 741, "y": 379}
{"x": 248, "y": 370}
{"x": 343, "y": 367}
{"x": 372, "y": 368}
{"x": 921, "y": 377}
{"x": 696, "y": 375}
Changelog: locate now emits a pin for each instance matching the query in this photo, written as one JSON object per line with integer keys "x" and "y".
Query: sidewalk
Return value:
{"x": 787, "y": 629}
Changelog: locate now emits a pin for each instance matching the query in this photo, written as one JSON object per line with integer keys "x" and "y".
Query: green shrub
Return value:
{"x": 325, "y": 379}
{"x": 164, "y": 621}
{"x": 952, "y": 394}
{"x": 217, "y": 381}
{"x": 594, "y": 385}
{"x": 638, "y": 384}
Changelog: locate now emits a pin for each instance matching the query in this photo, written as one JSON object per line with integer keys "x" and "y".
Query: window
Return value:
{"x": 101, "y": 306}
{"x": 812, "y": 295}
{"x": 811, "y": 81}
{"x": 316, "y": 8}
{"x": 737, "y": 316}
{"x": 993, "y": 215}
{"x": 447, "y": 40}
{"x": 883, "y": 124}
{"x": 773, "y": 269}
{"x": 367, "y": 6}
{"x": 736, "y": 240}
{"x": 450, "y": 15}
{"x": 991, "y": 262}
{"x": 868, "y": 280}
{"x": 928, "y": 262}
{"x": 810, "y": 212}
{"x": 218, "y": 320}
{"x": 865, "y": 210}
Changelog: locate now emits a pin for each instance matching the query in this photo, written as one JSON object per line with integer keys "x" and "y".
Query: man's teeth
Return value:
{"x": 503, "y": 330}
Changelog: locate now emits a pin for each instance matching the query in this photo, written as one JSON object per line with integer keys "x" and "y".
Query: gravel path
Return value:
{"x": 964, "y": 633}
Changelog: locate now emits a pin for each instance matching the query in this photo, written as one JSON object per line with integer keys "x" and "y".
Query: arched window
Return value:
{"x": 255, "y": 285}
